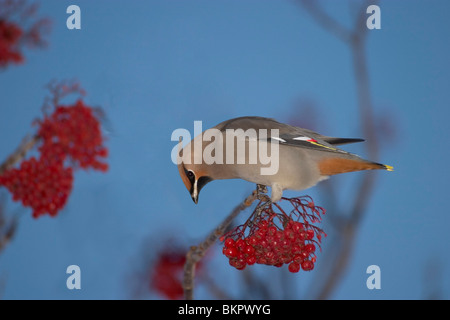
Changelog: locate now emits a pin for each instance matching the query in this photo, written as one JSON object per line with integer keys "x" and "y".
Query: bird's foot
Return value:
{"x": 261, "y": 192}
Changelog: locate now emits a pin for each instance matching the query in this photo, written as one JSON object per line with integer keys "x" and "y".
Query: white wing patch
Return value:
{"x": 315, "y": 142}
{"x": 278, "y": 139}
{"x": 304, "y": 138}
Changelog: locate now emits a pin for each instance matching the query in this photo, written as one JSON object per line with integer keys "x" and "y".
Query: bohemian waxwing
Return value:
{"x": 240, "y": 148}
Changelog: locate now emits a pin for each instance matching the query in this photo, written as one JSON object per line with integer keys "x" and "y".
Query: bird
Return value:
{"x": 304, "y": 157}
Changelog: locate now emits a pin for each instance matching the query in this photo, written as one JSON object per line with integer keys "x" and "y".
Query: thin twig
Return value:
{"x": 213, "y": 287}
{"x": 7, "y": 232}
{"x": 27, "y": 144}
{"x": 254, "y": 287}
{"x": 196, "y": 253}
{"x": 326, "y": 21}
{"x": 7, "y": 226}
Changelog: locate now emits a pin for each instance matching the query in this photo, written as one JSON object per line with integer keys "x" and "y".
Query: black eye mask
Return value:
{"x": 202, "y": 182}
{"x": 191, "y": 176}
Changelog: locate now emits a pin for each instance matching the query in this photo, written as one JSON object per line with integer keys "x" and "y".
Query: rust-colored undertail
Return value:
{"x": 332, "y": 166}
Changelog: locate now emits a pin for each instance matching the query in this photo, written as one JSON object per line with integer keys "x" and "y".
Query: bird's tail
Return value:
{"x": 332, "y": 166}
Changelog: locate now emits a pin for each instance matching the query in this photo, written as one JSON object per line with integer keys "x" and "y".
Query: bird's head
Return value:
{"x": 194, "y": 179}
{"x": 194, "y": 176}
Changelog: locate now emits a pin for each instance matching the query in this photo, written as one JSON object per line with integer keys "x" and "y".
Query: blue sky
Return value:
{"x": 155, "y": 66}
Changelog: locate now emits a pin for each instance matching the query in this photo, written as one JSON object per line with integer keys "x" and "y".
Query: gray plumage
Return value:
{"x": 304, "y": 157}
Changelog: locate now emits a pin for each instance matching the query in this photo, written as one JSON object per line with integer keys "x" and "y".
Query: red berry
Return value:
{"x": 251, "y": 260}
{"x": 252, "y": 241}
{"x": 278, "y": 265}
{"x": 249, "y": 250}
{"x": 231, "y": 252}
{"x": 272, "y": 230}
{"x": 296, "y": 249}
{"x": 289, "y": 234}
{"x": 263, "y": 224}
{"x": 307, "y": 265}
{"x": 260, "y": 233}
{"x": 303, "y": 255}
{"x": 229, "y": 242}
{"x": 240, "y": 244}
{"x": 297, "y": 227}
{"x": 294, "y": 267}
{"x": 310, "y": 248}
{"x": 240, "y": 266}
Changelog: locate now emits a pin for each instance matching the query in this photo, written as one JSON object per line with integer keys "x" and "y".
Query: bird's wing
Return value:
{"x": 288, "y": 135}
{"x": 340, "y": 141}
{"x": 335, "y": 141}
{"x": 304, "y": 141}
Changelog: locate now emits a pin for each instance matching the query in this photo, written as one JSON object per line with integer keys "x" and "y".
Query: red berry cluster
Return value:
{"x": 167, "y": 273}
{"x": 39, "y": 184}
{"x": 288, "y": 241}
{"x": 273, "y": 246}
{"x": 73, "y": 131}
{"x": 20, "y": 28}
{"x": 10, "y": 34}
{"x": 44, "y": 184}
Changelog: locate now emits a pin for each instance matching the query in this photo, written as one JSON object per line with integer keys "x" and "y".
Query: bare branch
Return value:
{"x": 7, "y": 231}
{"x": 348, "y": 226}
{"x": 7, "y": 234}
{"x": 8, "y": 227}
{"x": 196, "y": 253}
{"x": 339, "y": 266}
{"x": 326, "y": 21}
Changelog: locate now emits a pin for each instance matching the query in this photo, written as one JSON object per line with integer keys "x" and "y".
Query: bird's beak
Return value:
{"x": 194, "y": 193}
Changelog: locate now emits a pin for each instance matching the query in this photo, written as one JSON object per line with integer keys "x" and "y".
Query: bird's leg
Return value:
{"x": 261, "y": 191}
{"x": 261, "y": 194}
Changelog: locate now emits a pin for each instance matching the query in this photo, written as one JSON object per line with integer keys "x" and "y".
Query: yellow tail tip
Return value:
{"x": 389, "y": 168}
